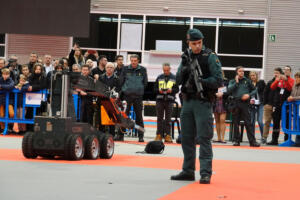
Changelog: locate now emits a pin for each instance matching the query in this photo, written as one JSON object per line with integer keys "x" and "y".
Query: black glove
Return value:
{"x": 185, "y": 59}
{"x": 185, "y": 70}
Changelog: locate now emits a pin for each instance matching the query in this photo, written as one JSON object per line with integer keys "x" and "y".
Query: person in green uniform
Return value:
{"x": 196, "y": 114}
{"x": 242, "y": 90}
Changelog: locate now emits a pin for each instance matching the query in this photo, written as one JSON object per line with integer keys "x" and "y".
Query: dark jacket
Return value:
{"x": 244, "y": 86}
{"x": 97, "y": 71}
{"x": 6, "y": 86}
{"x": 118, "y": 71}
{"x": 260, "y": 87}
{"x": 72, "y": 60}
{"x": 279, "y": 97}
{"x": 164, "y": 83}
{"x": 37, "y": 81}
{"x": 56, "y": 82}
{"x": 211, "y": 79}
{"x": 134, "y": 81}
{"x": 269, "y": 94}
{"x": 112, "y": 82}
{"x": 30, "y": 66}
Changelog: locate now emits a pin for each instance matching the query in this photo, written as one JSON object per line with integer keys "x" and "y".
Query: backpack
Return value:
{"x": 155, "y": 147}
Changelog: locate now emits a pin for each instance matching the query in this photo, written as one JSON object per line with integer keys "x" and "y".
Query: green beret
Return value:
{"x": 194, "y": 35}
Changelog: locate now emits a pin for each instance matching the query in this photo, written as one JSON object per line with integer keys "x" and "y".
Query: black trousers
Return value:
{"x": 164, "y": 113}
{"x": 87, "y": 111}
{"x": 241, "y": 112}
{"x": 137, "y": 103}
{"x": 276, "y": 123}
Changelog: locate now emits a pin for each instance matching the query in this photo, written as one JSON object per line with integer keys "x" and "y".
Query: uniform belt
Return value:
{"x": 189, "y": 96}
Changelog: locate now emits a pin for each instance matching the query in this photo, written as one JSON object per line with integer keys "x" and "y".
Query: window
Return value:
{"x": 246, "y": 62}
{"x": 103, "y": 32}
{"x": 131, "y": 36}
{"x": 159, "y": 39}
{"x": 241, "y": 36}
{"x": 2, "y": 45}
{"x": 166, "y": 28}
{"x": 208, "y": 28}
{"x": 131, "y": 32}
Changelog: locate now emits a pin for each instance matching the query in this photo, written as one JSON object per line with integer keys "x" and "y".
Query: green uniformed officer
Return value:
{"x": 196, "y": 114}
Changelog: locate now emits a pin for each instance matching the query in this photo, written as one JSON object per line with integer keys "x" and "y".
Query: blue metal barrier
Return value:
{"x": 132, "y": 115}
{"x": 6, "y": 120}
{"x": 77, "y": 105}
{"x": 290, "y": 110}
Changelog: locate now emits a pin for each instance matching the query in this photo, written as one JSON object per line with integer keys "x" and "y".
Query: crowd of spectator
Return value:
{"x": 253, "y": 99}
{"x": 249, "y": 100}
{"x": 38, "y": 74}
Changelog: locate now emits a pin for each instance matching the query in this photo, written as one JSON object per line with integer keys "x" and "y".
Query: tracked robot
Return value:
{"x": 61, "y": 135}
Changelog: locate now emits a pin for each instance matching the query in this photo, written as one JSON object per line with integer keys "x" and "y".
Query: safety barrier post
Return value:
{"x": 290, "y": 111}
{"x": 6, "y": 120}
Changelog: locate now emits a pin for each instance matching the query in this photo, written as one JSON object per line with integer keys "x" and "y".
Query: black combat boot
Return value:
{"x": 183, "y": 176}
{"x": 274, "y": 141}
{"x": 205, "y": 179}
{"x": 141, "y": 137}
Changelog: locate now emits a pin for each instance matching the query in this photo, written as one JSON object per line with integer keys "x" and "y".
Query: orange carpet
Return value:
{"x": 116, "y": 160}
{"x": 233, "y": 180}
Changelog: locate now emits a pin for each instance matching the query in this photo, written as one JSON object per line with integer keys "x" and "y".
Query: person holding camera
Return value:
{"x": 196, "y": 112}
{"x": 282, "y": 88}
{"x": 165, "y": 87}
{"x": 242, "y": 90}
{"x": 75, "y": 56}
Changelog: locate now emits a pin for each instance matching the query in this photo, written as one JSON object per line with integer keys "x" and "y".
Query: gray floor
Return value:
{"x": 53, "y": 181}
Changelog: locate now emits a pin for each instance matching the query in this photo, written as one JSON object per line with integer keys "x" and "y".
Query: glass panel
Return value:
{"x": 166, "y": 28}
{"x": 131, "y": 32}
{"x": 241, "y": 36}
{"x": 208, "y": 28}
{"x": 103, "y": 32}
{"x": 2, "y": 38}
{"x": 247, "y": 62}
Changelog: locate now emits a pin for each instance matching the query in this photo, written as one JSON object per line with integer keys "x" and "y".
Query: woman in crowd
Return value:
{"x": 76, "y": 57}
{"x": 220, "y": 111}
{"x": 37, "y": 82}
{"x": 256, "y": 103}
